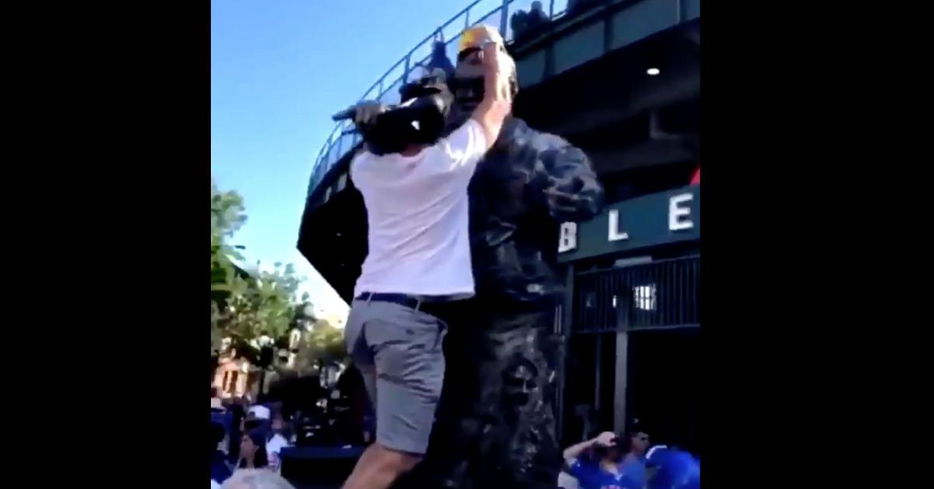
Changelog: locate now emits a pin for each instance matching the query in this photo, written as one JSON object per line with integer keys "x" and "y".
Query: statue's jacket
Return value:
{"x": 527, "y": 184}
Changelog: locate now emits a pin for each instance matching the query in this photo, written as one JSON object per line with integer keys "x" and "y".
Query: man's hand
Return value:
{"x": 497, "y": 97}
{"x": 606, "y": 439}
{"x": 497, "y": 67}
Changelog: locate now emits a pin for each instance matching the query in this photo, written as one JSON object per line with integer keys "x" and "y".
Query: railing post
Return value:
{"x": 405, "y": 74}
{"x": 504, "y": 18}
{"x": 551, "y": 10}
{"x": 467, "y": 18}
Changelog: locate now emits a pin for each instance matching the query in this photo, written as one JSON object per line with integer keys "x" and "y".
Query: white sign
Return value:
{"x": 567, "y": 239}
{"x": 614, "y": 234}
{"x": 676, "y": 213}
{"x": 679, "y": 219}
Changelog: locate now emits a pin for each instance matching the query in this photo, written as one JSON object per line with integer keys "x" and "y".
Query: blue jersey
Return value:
{"x": 675, "y": 470}
{"x": 590, "y": 475}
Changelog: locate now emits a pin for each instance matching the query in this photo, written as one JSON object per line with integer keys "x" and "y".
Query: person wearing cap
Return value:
{"x": 418, "y": 262}
{"x": 259, "y": 411}
{"x": 605, "y": 462}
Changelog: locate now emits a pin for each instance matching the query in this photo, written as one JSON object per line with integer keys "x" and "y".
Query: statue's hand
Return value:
{"x": 573, "y": 197}
{"x": 573, "y": 193}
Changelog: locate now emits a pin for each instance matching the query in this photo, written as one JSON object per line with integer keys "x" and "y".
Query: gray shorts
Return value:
{"x": 398, "y": 351}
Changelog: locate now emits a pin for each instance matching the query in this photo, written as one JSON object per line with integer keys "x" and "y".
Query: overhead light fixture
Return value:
{"x": 652, "y": 71}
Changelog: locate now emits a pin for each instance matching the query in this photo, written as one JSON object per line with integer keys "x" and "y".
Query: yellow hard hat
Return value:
{"x": 477, "y": 36}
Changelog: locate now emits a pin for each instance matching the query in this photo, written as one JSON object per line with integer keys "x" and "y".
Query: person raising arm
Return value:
{"x": 417, "y": 266}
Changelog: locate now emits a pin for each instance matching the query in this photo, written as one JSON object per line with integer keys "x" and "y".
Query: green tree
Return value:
{"x": 326, "y": 341}
{"x": 228, "y": 215}
{"x": 245, "y": 305}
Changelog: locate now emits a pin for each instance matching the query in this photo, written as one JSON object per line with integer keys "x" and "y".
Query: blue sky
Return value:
{"x": 279, "y": 69}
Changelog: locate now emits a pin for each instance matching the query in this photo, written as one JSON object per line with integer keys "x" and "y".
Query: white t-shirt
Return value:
{"x": 417, "y": 213}
{"x": 273, "y": 448}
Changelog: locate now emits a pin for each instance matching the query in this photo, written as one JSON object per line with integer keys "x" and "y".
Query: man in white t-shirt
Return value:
{"x": 418, "y": 260}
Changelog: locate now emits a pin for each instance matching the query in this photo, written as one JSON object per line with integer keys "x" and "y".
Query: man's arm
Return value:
{"x": 497, "y": 97}
{"x": 574, "y": 451}
{"x": 466, "y": 145}
{"x": 605, "y": 439}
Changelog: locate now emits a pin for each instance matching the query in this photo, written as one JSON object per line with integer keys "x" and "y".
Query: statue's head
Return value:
{"x": 519, "y": 382}
{"x": 467, "y": 83}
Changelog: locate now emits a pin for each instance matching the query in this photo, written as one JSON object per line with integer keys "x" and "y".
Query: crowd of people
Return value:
{"x": 247, "y": 443}
{"x": 524, "y": 23}
{"x": 313, "y": 412}
{"x": 246, "y": 437}
{"x": 628, "y": 461}
{"x": 527, "y": 23}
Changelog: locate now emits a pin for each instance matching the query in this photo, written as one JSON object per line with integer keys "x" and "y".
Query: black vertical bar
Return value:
{"x": 695, "y": 294}
{"x": 664, "y": 291}
{"x": 621, "y": 375}
{"x": 674, "y": 282}
{"x": 565, "y": 327}
{"x": 620, "y": 380}
{"x": 640, "y": 311}
{"x": 598, "y": 302}
{"x": 605, "y": 301}
{"x": 682, "y": 279}
{"x": 598, "y": 360}
{"x": 615, "y": 304}
{"x": 662, "y": 279}
{"x": 609, "y": 324}
{"x": 690, "y": 291}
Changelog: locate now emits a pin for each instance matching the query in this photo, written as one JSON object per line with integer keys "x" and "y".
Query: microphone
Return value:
{"x": 344, "y": 114}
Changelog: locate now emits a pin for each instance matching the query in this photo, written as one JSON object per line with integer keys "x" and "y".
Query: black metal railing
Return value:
{"x": 410, "y": 67}
{"x": 659, "y": 294}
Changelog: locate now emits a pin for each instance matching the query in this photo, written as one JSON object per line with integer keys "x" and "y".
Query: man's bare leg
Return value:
{"x": 378, "y": 467}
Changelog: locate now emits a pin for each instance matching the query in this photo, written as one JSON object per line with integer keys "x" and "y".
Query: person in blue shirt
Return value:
{"x": 609, "y": 461}
{"x": 671, "y": 468}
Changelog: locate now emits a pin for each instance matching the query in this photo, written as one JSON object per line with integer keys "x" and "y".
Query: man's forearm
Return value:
{"x": 491, "y": 113}
{"x": 574, "y": 451}
{"x": 497, "y": 99}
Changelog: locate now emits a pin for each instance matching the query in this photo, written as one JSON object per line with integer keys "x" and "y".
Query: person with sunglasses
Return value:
{"x": 609, "y": 461}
